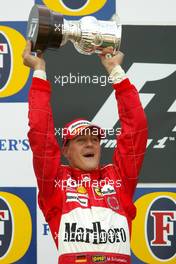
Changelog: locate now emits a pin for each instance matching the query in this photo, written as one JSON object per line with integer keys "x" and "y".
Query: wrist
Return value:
{"x": 110, "y": 68}
{"x": 117, "y": 74}
{"x": 40, "y": 67}
{"x": 40, "y": 74}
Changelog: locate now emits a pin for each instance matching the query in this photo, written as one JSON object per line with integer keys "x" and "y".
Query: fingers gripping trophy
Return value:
{"x": 50, "y": 30}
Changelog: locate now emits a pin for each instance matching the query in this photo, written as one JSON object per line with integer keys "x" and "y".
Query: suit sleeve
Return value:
{"x": 46, "y": 152}
{"x": 131, "y": 143}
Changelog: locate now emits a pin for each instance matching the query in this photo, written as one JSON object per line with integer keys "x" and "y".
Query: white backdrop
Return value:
{"x": 150, "y": 12}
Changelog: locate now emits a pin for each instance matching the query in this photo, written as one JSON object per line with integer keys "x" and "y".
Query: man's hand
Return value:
{"x": 34, "y": 62}
{"x": 110, "y": 63}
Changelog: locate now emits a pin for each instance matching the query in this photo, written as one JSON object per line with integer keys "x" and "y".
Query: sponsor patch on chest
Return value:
{"x": 82, "y": 199}
{"x": 108, "y": 189}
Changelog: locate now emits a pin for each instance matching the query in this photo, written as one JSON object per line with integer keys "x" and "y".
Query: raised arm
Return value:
{"x": 46, "y": 153}
{"x": 131, "y": 144}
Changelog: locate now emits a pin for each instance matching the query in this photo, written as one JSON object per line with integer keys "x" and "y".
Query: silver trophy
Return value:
{"x": 47, "y": 30}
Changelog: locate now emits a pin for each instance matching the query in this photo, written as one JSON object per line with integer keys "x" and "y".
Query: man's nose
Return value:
{"x": 89, "y": 142}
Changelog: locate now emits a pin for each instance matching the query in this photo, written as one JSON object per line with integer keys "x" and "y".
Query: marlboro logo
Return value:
{"x": 94, "y": 235}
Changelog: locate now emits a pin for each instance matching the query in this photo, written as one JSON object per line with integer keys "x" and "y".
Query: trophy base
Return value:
{"x": 44, "y": 28}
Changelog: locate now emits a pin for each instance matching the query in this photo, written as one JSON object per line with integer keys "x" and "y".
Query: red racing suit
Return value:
{"x": 89, "y": 213}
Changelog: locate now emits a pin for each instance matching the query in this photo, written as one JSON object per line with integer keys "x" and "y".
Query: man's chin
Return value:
{"x": 89, "y": 166}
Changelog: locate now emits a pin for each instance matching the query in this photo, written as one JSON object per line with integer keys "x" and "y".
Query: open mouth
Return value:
{"x": 89, "y": 155}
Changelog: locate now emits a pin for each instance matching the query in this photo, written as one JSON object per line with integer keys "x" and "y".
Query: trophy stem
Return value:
{"x": 71, "y": 31}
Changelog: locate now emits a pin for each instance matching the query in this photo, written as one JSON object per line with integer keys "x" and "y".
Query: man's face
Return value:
{"x": 83, "y": 152}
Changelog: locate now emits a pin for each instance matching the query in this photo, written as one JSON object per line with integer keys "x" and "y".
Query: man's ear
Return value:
{"x": 65, "y": 151}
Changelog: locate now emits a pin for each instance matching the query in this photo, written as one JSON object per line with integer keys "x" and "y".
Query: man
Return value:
{"x": 89, "y": 208}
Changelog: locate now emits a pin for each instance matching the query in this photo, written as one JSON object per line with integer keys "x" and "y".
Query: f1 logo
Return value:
{"x": 163, "y": 227}
{"x": 4, "y": 216}
{"x": 3, "y": 50}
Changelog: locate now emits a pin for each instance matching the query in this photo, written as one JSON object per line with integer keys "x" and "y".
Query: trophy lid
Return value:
{"x": 44, "y": 28}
